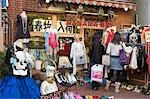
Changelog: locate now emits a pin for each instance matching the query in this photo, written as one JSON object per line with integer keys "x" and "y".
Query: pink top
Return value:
{"x": 52, "y": 40}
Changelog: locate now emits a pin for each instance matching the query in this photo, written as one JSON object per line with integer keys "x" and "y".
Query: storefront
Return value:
{"x": 70, "y": 17}
{"x": 73, "y": 16}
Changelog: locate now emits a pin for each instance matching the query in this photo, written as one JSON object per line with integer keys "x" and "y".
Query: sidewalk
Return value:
{"x": 124, "y": 94}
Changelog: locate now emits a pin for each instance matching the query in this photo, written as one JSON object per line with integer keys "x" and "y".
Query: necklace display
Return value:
{"x": 24, "y": 21}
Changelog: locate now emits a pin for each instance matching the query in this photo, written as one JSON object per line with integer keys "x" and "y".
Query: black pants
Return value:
{"x": 95, "y": 84}
{"x": 114, "y": 76}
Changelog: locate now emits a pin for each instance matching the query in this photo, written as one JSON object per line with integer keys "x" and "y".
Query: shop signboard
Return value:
{"x": 62, "y": 27}
{"x": 91, "y": 24}
{"x": 40, "y": 25}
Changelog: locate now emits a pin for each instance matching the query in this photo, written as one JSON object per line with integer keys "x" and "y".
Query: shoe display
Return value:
{"x": 61, "y": 80}
{"x": 136, "y": 89}
{"x": 130, "y": 87}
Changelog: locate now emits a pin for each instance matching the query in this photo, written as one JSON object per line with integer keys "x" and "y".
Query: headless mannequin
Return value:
{"x": 78, "y": 54}
{"x": 53, "y": 43}
{"x": 23, "y": 30}
{"x": 24, "y": 21}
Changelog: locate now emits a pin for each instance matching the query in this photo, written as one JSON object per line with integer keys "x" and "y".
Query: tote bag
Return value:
{"x": 106, "y": 60}
{"x": 97, "y": 73}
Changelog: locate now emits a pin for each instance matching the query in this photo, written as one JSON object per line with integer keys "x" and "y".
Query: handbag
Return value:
{"x": 124, "y": 60}
{"x": 106, "y": 60}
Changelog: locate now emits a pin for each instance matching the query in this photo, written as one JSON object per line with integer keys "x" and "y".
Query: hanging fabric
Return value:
{"x": 133, "y": 62}
{"x": 148, "y": 62}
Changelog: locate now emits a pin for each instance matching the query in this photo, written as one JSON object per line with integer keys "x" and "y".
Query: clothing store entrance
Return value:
{"x": 88, "y": 35}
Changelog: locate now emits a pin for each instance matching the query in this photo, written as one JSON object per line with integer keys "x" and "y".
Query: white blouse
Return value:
{"x": 113, "y": 49}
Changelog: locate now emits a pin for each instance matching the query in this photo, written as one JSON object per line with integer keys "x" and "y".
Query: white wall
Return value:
{"x": 143, "y": 8}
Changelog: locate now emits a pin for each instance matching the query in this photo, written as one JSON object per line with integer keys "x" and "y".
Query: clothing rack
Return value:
{"x": 146, "y": 80}
{"x": 135, "y": 44}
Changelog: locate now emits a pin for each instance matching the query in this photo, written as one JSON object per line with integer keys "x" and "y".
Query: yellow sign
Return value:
{"x": 147, "y": 36}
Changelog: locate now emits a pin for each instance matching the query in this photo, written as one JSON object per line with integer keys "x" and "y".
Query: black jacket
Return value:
{"x": 97, "y": 49}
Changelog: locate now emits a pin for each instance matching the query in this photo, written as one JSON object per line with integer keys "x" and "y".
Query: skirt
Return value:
{"x": 19, "y": 88}
{"x": 115, "y": 63}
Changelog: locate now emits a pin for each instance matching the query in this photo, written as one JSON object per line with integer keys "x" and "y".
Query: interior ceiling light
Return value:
{"x": 126, "y": 8}
{"x": 47, "y": 1}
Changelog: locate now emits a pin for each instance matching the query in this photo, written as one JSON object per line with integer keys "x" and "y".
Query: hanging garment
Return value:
{"x": 19, "y": 88}
{"x": 53, "y": 39}
{"x": 109, "y": 37}
{"x": 148, "y": 62}
{"x": 5, "y": 4}
{"x": 23, "y": 27}
{"x": 104, "y": 38}
{"x": 140, "y": 57}
{"x": 46, "y": 36}
{"x": 64, "y": 49}
{"x": 78, "y": 54}
{"x": 124, "y": 36}
{"x": 133, "y": 61}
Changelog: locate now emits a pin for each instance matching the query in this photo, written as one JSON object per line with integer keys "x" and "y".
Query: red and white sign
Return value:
{"x": 89, "y": 24}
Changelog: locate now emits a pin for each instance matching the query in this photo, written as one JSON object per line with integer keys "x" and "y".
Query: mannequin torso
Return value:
{"x": 22, "y": 25}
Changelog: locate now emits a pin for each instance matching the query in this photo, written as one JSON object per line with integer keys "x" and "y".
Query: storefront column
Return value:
{"x": 1, "y": 29}
{"x": 54, "y": 21}
{"x": 143, "y": 7}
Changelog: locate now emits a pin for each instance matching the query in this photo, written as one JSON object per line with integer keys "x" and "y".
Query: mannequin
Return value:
{"x": 49, "y": 85}
{"x": 23, "y": 26}
{"x": 19, "y": 85}
{"x": 78, "y": 54}
{"x": 51, "y": 42}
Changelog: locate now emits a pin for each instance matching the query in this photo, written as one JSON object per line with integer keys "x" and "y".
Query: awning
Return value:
{"x": 106, "y": 3}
